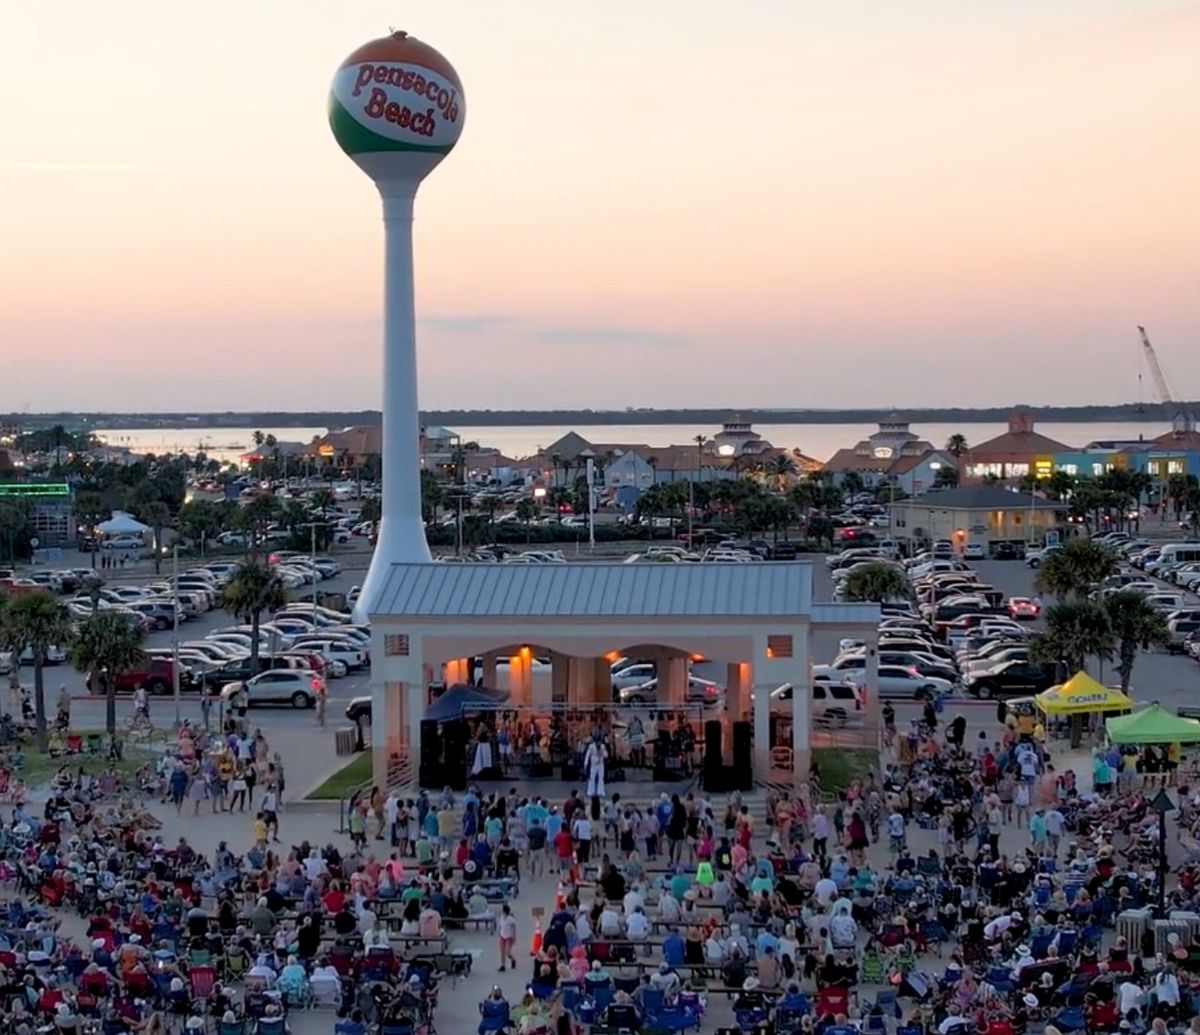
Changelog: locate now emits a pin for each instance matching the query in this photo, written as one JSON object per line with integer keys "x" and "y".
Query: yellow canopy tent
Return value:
{"x": 1081, "y": 694}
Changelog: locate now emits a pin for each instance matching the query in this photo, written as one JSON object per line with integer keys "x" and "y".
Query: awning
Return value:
{"x": 461, "y": 699}
{"x": 1082, "y": 694}
{"x": 122, "y": 524}
{"x": 1152, "y": 725}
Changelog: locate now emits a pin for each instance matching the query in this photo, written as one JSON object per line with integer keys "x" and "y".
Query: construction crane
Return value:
{"x": 1160, "y": 382}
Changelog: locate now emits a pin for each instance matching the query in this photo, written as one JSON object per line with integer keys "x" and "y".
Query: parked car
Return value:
{"x": 1012, "y": 679}
{"x": 297, "y": 687}
{"x": 157, "y": 675}
{"x": 833, "y": 704}
{"x": 1023, "y": 609}
{"x": 1034, "y": 558}
{"x": 699, "y": 691}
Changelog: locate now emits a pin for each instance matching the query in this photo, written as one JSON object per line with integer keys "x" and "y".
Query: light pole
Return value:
{"x": 1162, "y": 804}
{"x": 175, "y": 629}
{"x": 591, "y": 500}
{"x": 313, "y": 559}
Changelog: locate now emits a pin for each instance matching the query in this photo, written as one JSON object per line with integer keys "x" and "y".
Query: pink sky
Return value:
{"x": 778, "y": 203}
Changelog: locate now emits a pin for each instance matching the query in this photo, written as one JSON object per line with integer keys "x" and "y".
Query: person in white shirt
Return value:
{"x": 366, "y": 919}
{"x": 610, "y": 922}
{"x": 391, "y": 811}
{"x": 1055, "y": 822}
{"x": 825, "y": 891}
{"x": 633, "y": 899}
{"x": 635, "y": 925}
{"x": 953, "y": 1020}
{"x": 581, "y": 830}
{"x": 1166, "y": 986}
{"x": 665, "y": 980}
{"x": 721, "y": 891}
{"x": 994, "y": 929}
{"x": 668, "y": 909}
{"x": 1129, "y": 996}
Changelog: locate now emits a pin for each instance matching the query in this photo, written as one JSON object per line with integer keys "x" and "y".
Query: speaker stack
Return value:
{"x": 429, "y": 772}
{"x": 454, "y": 754}
{"x": 743, "y": 763}
{"x": 712, "y": 768}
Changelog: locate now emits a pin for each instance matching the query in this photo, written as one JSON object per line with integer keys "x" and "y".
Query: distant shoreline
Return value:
{"x": 1123, "y": 412}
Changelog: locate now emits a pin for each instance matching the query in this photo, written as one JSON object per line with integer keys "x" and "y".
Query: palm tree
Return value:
{"x": 158, "y": 515}
{"x": 254, "y": 588}
{"x": 1076, "y": 568}
{"x": 945, "y": 478}
{"x": 1075, "y": 631}
{"x": 108, "y": 645}
{"x": 1135, "y": 626}
{"x": 782, "y": 468}
{"x": 876, "y": 583}
{"x": 35, "y": 622}
{"x": 526, "y": 512}
{"x": 956, "y": 444}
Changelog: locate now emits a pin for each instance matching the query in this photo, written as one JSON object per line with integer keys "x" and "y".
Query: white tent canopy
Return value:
{"x": 122, "y": 524}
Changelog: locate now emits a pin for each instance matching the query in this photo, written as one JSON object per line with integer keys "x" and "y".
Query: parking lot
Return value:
{"x": 87, "y": 710}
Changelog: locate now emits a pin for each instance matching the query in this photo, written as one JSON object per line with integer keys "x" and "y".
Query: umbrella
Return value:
{"x": 1152, "y": 725}
{"x": 460, "y": 699}
{"x": 1081, "y": 694}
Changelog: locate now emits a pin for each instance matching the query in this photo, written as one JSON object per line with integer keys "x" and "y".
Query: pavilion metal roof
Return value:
{"x": 583, "y": 590}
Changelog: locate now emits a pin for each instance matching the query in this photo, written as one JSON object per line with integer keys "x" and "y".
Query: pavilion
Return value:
{"x": 428, "y": 620}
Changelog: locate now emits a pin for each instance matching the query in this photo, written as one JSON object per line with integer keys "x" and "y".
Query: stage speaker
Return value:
{"x": 454, "y": 753}
{"x": 431, "y": 776}
{"x": 431, "y": 744}
{"x": 743, "y": 763}
{"x": 712, "y": 767}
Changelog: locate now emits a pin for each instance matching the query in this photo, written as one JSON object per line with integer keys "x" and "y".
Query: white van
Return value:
{"x": 1174, "y": 553}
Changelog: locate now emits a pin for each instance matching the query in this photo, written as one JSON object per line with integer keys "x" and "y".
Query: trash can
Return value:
{"x": 335, "y": 601}
{"x": 345, "y": 740}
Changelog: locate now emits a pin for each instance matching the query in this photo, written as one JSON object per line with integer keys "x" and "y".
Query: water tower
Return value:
{"x": 396, "y": 108}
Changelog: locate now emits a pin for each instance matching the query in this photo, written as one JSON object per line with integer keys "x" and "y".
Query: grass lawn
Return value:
{"x": 841, "y": 766}
{"x": 356, "y": 771}
{"x": 39, "y": 768}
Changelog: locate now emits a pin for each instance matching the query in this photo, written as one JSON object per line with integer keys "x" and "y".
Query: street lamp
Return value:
{"x": 1162, "y": 804}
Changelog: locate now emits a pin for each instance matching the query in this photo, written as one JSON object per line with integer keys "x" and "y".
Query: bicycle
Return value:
{"x": 139, "y": 727}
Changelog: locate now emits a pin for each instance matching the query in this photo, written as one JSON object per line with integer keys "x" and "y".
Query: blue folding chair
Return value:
{"x": 603, "y": 997}
{"x": 673, "y": 1018}
{"x": 889, "y": 1002}
{"x": 493, "y": 1016}
{"x": 1069, "y": 1020}
{"x": 653, "y": 1001}
{"x": 1000, "y": 979}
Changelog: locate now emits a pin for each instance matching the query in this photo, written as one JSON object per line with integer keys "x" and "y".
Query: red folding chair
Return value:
{"x": 201, "y": 980}
{"x": 833, "y": 1001}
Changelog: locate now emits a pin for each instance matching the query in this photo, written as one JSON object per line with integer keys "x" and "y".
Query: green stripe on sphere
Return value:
{"x": 354, "y": 138}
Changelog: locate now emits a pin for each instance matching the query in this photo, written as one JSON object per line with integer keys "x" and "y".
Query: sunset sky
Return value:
{"x": 684, "y": 202}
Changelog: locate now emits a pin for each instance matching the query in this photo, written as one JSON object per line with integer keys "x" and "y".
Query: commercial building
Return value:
{"x": 983, "y": 514}
{"x": 1019, "y": 451}
{"x": 50, "y": 509}
{"x": 878, "y": 454}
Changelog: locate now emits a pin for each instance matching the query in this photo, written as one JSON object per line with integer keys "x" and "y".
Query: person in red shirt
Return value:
{"x": 564, "y": 848}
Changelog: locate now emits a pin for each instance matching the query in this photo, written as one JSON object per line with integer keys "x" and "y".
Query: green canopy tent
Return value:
{"x": 1152, "y": 725}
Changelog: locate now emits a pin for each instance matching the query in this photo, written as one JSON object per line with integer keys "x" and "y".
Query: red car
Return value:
{"x": 1022, "y": 609}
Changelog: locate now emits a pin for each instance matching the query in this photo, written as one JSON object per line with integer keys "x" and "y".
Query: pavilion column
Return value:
{"x": 802, "y": 710}
{"x": 562, "y": 687}
{"x": 457, "y": 670}
{"x": 540, "y": 693}
{"x": 737, "y": 689}
{"x": 389, "y": 736}
{"x": 762, "y": 726}
{"x": 602, "y": 681}
{"x": 520, "y": 679}
{"x": 674, "y": 672}
{"x": 487, "y": 670}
